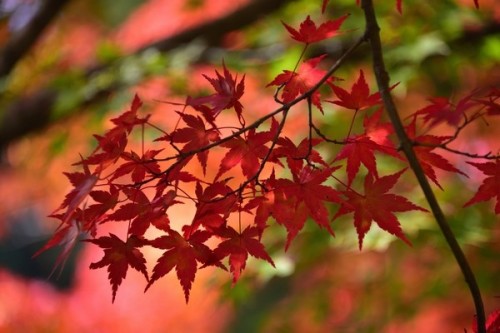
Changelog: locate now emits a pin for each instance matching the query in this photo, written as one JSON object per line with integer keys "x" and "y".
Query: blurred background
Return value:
{"x": 67, "y": 67}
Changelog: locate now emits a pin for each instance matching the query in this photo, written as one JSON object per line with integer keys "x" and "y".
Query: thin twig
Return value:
{"x": 21, "y": 42}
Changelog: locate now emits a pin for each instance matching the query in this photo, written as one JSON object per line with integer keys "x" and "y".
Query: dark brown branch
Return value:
{"x": 211, "y": 31}
{"x": 33, "y": 113}
{"x": 20, "y": 43}
{"x": 382, "y": 78}
{"x": 473, "y": 36}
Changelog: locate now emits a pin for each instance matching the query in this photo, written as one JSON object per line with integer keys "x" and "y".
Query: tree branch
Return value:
{"x": 211, "y": 31}
{"x": 33, "y": 113}
{"x": 372, "y": 30}
{"x": 20, "y": 43}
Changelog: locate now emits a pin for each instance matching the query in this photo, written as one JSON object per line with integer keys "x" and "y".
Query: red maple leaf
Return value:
{"x": 295, "y": 155}
{"x": 295, "y": 83}
{"x": 427, "y": 158}
{"x": 492, "y": 323}
{"x": 272, "y": 202}
{"x": 376, "y": 205}
{"x": 305, "y": 195}
{"x": 378, "y": 131}
{"x": 143, "y": 212}
{"x": 194, "y": 136}
{"x": 138, "y": 166}
{"x": 399, "y": 6}
{"x": 183, "y": 254}
{"x": 323, "y": 6}
{"x": 291, "y": 212}
{"x": 361, "y": 148}
{"x": 491, "y": 102}
{"x": 213, "y": 206}
{"x": 66, "y": 236}
{"x": 113, "y": 143}
{"x": 490, "y": 186}
{"x": 94, "y": 213}
{"x": 359, "y": 98}
{"x": 69, "y": 228}
{"x": 228, "y": 92}
{"x": 127, "y": 120}
{"x": 109, "y": 149}
{"x": 83, "y": 183}
{"x": 238, "y": 246}
{"x": 174, "y": 175}
{"x": 443, "y": 110}
{"x": 118, "y": 256}
{"x": 247, "y": 152}
{"x": 308, "y": 32}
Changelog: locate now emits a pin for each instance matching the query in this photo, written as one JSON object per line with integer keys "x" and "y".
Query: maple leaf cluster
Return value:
{"x": 136, "y": 189}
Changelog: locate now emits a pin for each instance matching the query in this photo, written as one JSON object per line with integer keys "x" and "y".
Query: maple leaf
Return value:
{"x": 118, "y": 256}
{"x": 69, "y": 228}
{"x": 359, "y": 98}
{"x": 83, "y": 183}
{"x": 238, "y": 246}
{"x": 323, "y": 6}
{"x": 173, "y": 176}
{"x": 443, "y": 110}
{"x": 491, "y": 102}
{"x": 228, "y": 92}
{"x": 138, "y": 166}
{"x": 143, "y": 212}
{"x": 399, "y": 6}
{"x": 300, "y": 82}
{"x": 105, "y": 201}
{"x": 183, "y": 254}
{"x": 361, "y": 148}
{"x": 194, "y": 136}
{"x": 308, "y": 32}
{"x": 114, "y": 141}
{"x": 295, "y": 155}
{"x": 377, "y": 131}
{"x": 292, "y": 202}
{"x": 492, "y": 323}
{"x": 66, "y": 236}
{"x": 376, "y": 205}
{"x": 427, "y": 158}
{"x": 292, "y": 214}
{"x": 490, "y": 186}
{"x": 213, "y": 206}
{"x": 272, "y": 202}
{"x": 306, "y": 196}
{"x": 248, "y": 151}
{"x": 94, "y": 213}
{"x": 127, "y": 120}
{"x": 112, "y": 147}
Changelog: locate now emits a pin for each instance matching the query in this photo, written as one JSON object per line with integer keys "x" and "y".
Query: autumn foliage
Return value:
{"x": 263, "y": 176}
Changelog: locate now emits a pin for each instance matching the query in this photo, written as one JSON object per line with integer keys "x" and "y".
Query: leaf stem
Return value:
{"x": 372, "y": 33}
{"x": 352, "y": 124}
